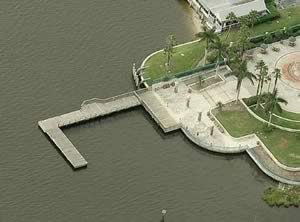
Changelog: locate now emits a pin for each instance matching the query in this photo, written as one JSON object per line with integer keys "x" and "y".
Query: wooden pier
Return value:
{"x": 90, "y": 109}
{"x": 94, "y": 108}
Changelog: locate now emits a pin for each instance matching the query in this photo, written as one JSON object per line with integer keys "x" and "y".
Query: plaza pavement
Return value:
{"x": 204, "y": 101}
{"x": 272, "y": 59}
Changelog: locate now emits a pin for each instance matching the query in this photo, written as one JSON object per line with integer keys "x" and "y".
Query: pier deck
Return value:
{"x": 158, "y": 111}
{"x": 89, "y": 110}
{"x": 94, "y": 108}
{"x": 67, "y": 148}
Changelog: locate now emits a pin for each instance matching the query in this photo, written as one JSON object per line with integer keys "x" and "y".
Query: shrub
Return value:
{"x": 274, "y": 13}
{"x": 251, "y": 101}
{"x": 166, "y": 78}
{"x": 278, "y": 36}
{"x": 289, "y": 196}
{"x": 269, "y": 38}
{"x": 220, "y": 106}
{"x": 275, "y": 36}
{"x": 257, "y": 39}
{"x": 212, "y": 57}
{"x": 267, "y": 129}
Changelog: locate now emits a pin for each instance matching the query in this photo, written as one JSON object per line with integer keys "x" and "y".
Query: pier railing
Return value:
{"x": 114, "y": 98}
{"x": 110, "y": 99}
{"x": 213, "y": 147}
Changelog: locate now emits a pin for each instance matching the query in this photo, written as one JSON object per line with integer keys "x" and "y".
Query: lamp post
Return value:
{"x": 188, "y": 101}
{"x": 212, "y": 130}
{"x": 199, "y": 116}
{"x": 163, "y": 215}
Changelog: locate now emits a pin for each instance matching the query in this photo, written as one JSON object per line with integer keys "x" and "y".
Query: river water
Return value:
{"x": 53, "y": 55}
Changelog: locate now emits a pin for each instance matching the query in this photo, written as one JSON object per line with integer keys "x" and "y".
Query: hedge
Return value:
{"x": 186, "y": 73}
{"x": 276, "y": 35}
{"x": 274, "y": 13}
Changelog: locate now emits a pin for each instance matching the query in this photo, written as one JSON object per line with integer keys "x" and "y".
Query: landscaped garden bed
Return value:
{"x": 275, "y": 120}
{"x": 284, "y": 119}
{"x": 202, "y": 84}
{"x": 288, "y": 115}
{"x": 283, "y": 145}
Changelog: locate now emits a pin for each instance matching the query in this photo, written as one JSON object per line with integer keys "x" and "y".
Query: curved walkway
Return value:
{"x": 200, "y": 141}
{"x": 269, "y": 167}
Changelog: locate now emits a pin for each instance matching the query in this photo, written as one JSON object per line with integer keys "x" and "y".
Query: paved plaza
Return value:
{"x": 288, "y": 61}
{"x": 186, "y": 104}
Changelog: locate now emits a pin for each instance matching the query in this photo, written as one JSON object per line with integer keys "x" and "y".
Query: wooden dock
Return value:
{"x": 90, "y": 109}
{"x": 95, "y": 108}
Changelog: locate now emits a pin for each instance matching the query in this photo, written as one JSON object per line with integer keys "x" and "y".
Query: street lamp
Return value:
{"x": 163, "y": 215}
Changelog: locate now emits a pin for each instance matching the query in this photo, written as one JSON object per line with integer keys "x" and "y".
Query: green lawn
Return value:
{"x": 280, "y": 122}
{"x": 288, "y": 17}
{"x": 289, "y": 115}
{"x": 285, "y": 146}
{"x": 187, "y": 57}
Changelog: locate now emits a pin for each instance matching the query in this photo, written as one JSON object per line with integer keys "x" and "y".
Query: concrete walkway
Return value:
{"x": 271, "y": 168}
{"x": 158, "y": 111}
{"x": 202, "y": 102}
{"x": 185, "y": 104}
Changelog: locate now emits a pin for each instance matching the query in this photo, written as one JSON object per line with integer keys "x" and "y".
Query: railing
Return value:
{"x": 250, "y": 136}
{"x": 187, "y": 73}
{"x": 267, "y": 169}
{"x": 264, "y": 147}
{"x": 110, "y": 99}
{"x": 211, "y": 146}
{"x": 286, "y": 119}
{"x": 265, "y": 121}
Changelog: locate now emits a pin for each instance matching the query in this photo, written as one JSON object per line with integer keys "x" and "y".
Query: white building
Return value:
{"x": 214, "y": 12}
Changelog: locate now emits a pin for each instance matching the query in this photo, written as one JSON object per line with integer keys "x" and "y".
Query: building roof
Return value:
{"x": 221, "y": 8}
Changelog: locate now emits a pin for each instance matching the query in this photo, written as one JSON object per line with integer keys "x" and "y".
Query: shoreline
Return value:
{"x": 197, "y": 23}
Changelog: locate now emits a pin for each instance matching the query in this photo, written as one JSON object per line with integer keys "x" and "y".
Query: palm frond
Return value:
{"x": 282, "y": 100}
{"x": 278, "y": 107}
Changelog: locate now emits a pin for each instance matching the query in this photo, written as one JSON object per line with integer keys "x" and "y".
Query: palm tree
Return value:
{"x": 240, "y": 70}
{"x": 232, "y": 54}
{"x": 221, "y": 47}
{"x": 263, "y": 73}
{"x": 277, "y": 74}
{"x": 269, "y": 80}
{"x": 253, "y": 17}
{"x": 230, "y": 17}
{"x": 262, "y": 68}
{"x": 169, "y": 50}
{"x": 272, "y": 104}
{"x": 220, "y": 106}
{"x": 259, "y": 66}
{"x": 208, "y": 35}
{"x": 243, "y": 40}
